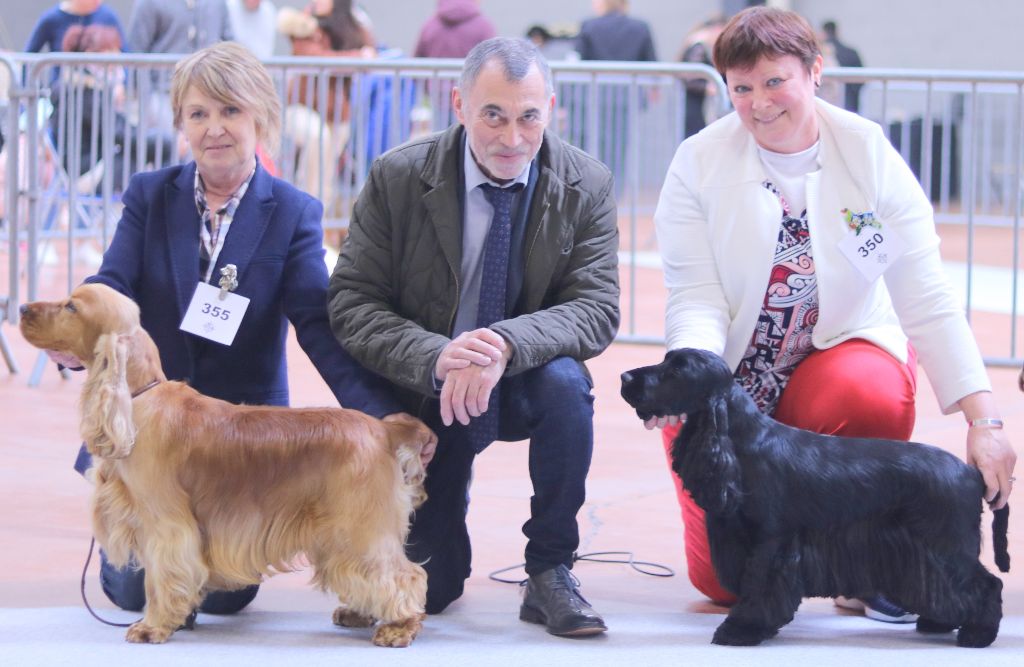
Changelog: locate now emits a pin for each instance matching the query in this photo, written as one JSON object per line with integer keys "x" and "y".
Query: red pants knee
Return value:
{"x": 854, "y": 389}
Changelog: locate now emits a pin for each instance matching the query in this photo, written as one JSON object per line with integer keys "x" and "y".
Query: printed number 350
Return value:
{"x": 870, "y": 244}
{"x": 216, "y": 311}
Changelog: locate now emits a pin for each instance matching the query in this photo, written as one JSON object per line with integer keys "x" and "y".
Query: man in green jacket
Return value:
{"x": 480, "y": 271}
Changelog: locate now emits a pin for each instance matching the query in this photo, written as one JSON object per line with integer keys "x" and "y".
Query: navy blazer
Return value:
{"x": 276, "y": 241}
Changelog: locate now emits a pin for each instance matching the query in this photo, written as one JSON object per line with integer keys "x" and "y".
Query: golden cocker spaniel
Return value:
{"x": 212, "y": 496}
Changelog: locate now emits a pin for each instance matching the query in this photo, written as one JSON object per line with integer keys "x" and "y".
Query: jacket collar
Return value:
{"x": 442, "y": 176}
{"x": 182, "y": 227}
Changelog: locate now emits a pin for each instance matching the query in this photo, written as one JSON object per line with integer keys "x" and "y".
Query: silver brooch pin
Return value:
{"x": 228, "y": 280}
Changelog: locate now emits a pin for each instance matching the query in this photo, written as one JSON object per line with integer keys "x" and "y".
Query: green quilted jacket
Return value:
{"x": 394, "y": 293}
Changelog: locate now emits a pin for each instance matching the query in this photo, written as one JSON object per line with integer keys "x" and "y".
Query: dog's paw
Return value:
{"x": 974, "y": 636}
{"x": 731, "y": 633}
{"x": 398, "y": 634}
{"x": 141, "y": 633}
{"x": 347, "y": 618}
{"x": 929, "y": 627}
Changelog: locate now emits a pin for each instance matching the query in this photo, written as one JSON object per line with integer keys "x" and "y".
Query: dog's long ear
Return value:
{"x": 107, "y": 425}
{"x": 713, "y": 471}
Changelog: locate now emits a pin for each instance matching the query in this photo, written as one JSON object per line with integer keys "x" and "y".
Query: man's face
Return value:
{"x": 504, "y": 120}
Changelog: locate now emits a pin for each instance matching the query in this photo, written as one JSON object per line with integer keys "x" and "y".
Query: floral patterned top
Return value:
{"x": 782, "y": 336}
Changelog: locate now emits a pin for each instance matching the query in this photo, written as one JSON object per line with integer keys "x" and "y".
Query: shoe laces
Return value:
{"x": 565, "y": 580}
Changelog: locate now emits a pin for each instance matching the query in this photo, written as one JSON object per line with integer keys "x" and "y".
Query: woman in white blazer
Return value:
{"x": 798, "y": 245}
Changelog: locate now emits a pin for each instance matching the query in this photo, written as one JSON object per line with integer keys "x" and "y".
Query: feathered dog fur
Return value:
{"x": 208, "y": 495}
{"x": 794, "y": 514}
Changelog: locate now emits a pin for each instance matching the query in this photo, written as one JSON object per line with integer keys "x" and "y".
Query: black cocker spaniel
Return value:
{"x": 794, "y": 514}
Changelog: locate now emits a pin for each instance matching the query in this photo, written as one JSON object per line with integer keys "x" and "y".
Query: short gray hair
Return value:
{"x": 515, "y": 55}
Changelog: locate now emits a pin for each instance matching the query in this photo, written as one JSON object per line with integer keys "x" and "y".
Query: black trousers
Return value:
{"x": 552, "y": 405}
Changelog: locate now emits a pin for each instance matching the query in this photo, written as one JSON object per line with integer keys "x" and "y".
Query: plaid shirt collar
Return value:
{"x": 229, "y": 207}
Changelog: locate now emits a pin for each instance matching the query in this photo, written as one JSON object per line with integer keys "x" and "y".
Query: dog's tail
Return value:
{"x": 1000, "y": 522}
{"x": 413, "y": 444}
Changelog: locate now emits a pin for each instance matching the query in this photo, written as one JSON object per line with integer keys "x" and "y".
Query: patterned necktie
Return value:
{"x": 483, "y": 430}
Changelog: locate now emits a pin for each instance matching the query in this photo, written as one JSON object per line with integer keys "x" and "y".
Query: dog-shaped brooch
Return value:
{"x": 794, "y": 514}
{"x": 206, "y": 495}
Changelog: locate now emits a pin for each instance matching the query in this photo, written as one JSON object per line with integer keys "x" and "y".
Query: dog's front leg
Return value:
{"x": 175, "y": 576}
{"x": 769, "y": 595}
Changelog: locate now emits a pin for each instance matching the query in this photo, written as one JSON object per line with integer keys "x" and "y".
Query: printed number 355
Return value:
{"x": 216, "y": 311}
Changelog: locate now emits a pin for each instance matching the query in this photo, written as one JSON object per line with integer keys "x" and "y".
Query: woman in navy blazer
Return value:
{"x": 226, "y": 208}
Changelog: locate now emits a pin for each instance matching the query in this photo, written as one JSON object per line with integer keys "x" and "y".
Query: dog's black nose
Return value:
{"x": 23, "y": 308}
{"x": 626, "y": 377}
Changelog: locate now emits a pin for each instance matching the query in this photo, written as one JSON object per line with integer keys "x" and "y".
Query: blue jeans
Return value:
{"x": 552, "y": 405}
{"x": 126, "y": 588}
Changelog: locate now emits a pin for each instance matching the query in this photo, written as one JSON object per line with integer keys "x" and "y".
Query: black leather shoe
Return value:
{"x": 552, "y": 598}
{"x": 190, "y": 621}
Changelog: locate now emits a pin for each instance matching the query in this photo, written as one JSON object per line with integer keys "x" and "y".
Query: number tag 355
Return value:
{"x": 872, "y": 251}
{"x": 214, "y": 318}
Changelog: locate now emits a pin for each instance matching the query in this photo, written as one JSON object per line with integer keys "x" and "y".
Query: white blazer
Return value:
{"x": 718, "y": 226}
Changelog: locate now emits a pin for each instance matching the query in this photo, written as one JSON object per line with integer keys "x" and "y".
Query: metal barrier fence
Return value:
{"x": 79, "y": 125}
{"x": 961, "y": 133}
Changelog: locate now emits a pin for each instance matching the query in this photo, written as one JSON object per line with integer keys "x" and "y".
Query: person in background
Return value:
{"x": 49, "y": 31}
{"x": 846, "y": 57}
{"x": 697, "y": 49}
{"x": 455, "y": 28}
{"x": 174, "y": 26}
{"x": 614, "y": 35}
{"x": 83, "y": 97}
{"x": 317, "y": 123}
{"x": 479, "y": 273}
{"x": 797, "y": 245}
{"x": 183, "y": 226}
{"x": 254, "y": 24}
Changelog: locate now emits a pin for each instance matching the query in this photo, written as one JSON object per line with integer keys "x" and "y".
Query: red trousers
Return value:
{"x": 854, "y": 389}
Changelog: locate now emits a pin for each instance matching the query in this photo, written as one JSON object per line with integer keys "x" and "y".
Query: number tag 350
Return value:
{"x": 872, "y": 251}
{"x": 214, "y": 318}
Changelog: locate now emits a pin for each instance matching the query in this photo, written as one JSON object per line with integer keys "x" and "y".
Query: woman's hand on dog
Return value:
{"x": 661, "y": 422}
{"x": 989, "y": 449}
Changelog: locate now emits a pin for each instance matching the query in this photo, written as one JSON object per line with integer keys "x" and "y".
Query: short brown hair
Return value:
{"x": 758, "y": 32}
{"x": 229, "y": 73}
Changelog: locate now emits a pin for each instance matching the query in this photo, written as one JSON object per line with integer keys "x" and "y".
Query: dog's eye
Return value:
{"x": 70, "y": 307}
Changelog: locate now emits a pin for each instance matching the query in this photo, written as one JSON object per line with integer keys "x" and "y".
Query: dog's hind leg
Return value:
{"x": 346, "y": 617}
{"x": 769, "y": 596}
{"x": 401, "y": 599}
{"x": 339, "y": 573}
{"x": 379, "y": 583}
{"x": 983, "y": 593}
